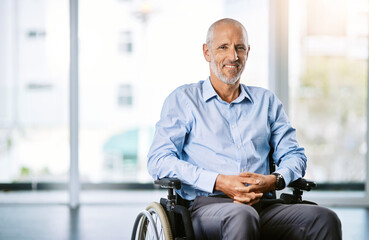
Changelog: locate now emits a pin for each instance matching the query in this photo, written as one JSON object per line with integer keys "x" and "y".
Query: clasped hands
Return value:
{"x": 235, "y": 186}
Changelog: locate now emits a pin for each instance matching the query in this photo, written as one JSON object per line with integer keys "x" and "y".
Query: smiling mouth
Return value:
{"x": 231, "y": 66}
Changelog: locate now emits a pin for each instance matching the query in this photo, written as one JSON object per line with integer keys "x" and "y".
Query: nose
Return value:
{"x": 233, "y": 54}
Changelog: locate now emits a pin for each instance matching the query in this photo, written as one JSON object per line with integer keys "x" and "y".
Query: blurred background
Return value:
{"x": 133, "y": 53}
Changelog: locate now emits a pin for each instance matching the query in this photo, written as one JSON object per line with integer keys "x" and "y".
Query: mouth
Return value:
{"x": 231, "y": 66}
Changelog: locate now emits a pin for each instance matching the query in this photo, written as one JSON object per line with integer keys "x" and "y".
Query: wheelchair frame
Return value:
{"x": 175, "y": 219}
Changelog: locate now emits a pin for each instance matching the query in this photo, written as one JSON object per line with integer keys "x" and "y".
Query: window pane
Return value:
{"x": 34, "y": 49}
{"x": 132, "y": 55}
{"x": 328, "y": 85}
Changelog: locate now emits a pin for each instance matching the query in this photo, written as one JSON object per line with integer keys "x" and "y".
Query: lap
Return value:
{"x": 223, "y": 220}
{"x": 279, "y": 221}
{"x": 284, "y": 214}
{"x": 304, "y": 221}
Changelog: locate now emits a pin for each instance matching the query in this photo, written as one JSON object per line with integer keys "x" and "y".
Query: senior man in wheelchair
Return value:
{"x": 216, "y": 136}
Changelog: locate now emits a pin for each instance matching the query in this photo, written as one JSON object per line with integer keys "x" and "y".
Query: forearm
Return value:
{"x": 171, "y": 166}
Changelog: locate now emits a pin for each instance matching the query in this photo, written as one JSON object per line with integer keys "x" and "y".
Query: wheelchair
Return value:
{"x": 171, "y": 218}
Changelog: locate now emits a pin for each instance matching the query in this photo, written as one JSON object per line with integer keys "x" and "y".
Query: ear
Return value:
{"x": 206, "y": 52}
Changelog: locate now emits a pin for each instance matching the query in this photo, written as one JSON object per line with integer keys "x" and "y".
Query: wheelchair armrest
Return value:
{"x": 298, "y": 186}
{"x": 302, "y": 184}
{"x": 169, "y": 183}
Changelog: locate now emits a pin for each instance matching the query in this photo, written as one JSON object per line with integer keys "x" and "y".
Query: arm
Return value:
{"x": 173, "y": 128}
{"x": 288, "y": 156}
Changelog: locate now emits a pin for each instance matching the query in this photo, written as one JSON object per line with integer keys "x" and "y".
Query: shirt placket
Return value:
{"x": 235, "y": 132}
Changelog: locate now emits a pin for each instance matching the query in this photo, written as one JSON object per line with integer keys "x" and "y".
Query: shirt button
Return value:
{"x": 233, "y": 126}
{"x": 242, "y": 169}
{"x": 238, "y": 146}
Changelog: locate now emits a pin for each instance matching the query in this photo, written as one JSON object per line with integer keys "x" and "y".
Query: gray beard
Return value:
{"x": 221, "y": 76}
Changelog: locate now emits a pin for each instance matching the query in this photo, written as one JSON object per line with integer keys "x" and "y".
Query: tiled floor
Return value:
{"x": 110, "y": 219}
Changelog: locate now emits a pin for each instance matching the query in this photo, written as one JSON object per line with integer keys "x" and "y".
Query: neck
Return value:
{"x": 226, "y": 92}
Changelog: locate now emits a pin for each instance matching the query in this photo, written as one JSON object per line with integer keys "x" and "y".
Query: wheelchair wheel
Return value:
{"x": 153, "y": 224}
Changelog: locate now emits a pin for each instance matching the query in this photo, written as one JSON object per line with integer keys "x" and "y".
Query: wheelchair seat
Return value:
{"x": 171, "y": 218}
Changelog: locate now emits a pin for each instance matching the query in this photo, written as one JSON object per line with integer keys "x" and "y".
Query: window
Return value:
{"x": 135, "y": 53}
{"x": 160, "y": 48}
{"x": 34, "y": 55}
{"x": 328, "y": 86}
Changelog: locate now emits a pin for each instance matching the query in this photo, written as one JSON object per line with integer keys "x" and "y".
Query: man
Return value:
{"x": 216, "y": 135}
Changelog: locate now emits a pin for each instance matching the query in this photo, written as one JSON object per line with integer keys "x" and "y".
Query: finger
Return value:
{"x": 247, "y": 198}
{"x": 243, "y": 189}
{"x": 250, "y": 203}
{"x": 255, "y": 188}
{"x": 258, "y": 195}
{"x": 250, "y": 180}
{"x": 254, "y": 202}
{"x": 235, "y": 184}
{"x": 249, "y": 189}
{"x": 242, "y": 199}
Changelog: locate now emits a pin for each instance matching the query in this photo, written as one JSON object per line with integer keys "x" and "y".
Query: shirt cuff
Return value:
{"x": 287, "y": 175}
{"x": 206, "y": 181}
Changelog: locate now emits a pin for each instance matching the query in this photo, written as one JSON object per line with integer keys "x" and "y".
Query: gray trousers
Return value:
{"x": 214, "y": 218}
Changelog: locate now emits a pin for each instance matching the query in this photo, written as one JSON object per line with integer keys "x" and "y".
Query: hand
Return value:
{"x": 230, "y": 185}
{"x": 266, "y": 183}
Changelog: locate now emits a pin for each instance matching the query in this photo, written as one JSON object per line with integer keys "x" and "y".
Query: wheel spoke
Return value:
{"x": 154, "y": 224}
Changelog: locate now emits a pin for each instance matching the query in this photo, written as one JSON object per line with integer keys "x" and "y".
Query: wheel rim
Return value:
{"x": 159, "y": 220}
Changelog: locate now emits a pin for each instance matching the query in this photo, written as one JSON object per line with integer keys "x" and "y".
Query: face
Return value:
{"x": 227, "y": 53}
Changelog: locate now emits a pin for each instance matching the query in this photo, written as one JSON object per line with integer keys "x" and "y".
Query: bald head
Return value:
{"x": 225, "y": 21}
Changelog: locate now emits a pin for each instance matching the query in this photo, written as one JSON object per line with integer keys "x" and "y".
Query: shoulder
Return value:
{"x": 259, "y": 94}
{"x": 187, "y": 91}
{"x": 180, "y": 102}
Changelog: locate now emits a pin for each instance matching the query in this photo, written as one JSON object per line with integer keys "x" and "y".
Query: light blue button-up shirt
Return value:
{"x": 200, "y": 136}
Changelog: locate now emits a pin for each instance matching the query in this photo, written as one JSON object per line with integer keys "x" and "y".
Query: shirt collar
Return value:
{"x": 208, "y": 92}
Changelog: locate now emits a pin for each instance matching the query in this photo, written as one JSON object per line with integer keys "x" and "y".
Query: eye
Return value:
{"x": 223, "y": 47}
{"x": 241, "y": 48}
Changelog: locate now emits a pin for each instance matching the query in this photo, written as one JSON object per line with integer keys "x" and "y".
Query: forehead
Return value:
{"x": 229, "y": 33}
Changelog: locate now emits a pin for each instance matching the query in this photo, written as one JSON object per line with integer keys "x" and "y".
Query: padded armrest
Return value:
{"x": 169, "y": 183}
{"x": 302, "y": 184}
